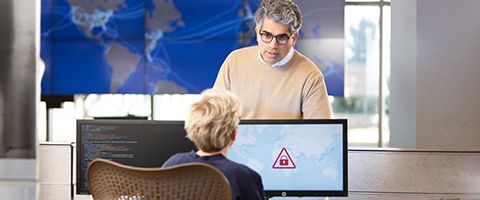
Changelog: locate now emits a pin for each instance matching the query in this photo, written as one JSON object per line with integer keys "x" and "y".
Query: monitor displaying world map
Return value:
{"x": 295, "y": 157}
{"x": 168, "y": 46}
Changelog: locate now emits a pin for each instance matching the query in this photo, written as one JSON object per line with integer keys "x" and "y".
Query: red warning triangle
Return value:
{"x": 283, "y": 161}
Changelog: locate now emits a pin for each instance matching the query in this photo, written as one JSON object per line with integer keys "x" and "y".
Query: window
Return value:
{"x": 367, "y": 68}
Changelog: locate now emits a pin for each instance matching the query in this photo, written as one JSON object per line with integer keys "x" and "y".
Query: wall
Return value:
{"x": 403, "y": 75}
{"x": 18, "y": 57}
{"x": 448, "y": 74}
{"x": 438, "y": 62}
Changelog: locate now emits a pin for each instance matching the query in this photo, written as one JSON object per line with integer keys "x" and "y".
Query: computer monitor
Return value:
{"x": 141, "y": 143}
{"x": 295, "y": 157}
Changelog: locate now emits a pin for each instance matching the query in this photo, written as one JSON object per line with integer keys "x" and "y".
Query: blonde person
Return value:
{"x": 212, "y": 126}
{"x": 272, "y": 79}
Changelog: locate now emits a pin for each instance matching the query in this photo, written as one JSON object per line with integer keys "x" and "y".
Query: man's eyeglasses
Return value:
{"x": 268, "y": 37}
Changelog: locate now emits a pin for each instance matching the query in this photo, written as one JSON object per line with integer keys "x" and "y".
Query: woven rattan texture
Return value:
{"x": 108, "y": 180}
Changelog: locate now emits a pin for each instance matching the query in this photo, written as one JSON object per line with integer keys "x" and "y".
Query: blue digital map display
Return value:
{"x": 164, "y": 46}
{"x": 301, "y": 157}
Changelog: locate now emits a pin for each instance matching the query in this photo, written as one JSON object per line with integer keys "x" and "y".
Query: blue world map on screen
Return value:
{"x": 161, "y": 46}
{"x": 315, "y": 155}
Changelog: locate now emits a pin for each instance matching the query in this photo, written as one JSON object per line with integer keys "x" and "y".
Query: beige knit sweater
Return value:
{"x": 295, "y": 90}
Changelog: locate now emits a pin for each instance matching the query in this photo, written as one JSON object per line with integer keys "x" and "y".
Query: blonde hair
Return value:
{"x": 213, "y": 119}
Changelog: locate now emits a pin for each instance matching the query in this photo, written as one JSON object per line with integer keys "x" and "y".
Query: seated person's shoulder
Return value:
{"x": 242, "y": 171}
{"x": 249, "y": 182}
{"x": 178, "y": 158}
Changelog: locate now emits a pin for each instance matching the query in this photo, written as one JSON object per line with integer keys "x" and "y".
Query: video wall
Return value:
{"x": 168, "y": 46}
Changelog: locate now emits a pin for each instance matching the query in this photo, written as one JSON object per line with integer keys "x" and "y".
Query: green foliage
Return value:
{"x": 355, "y": 105}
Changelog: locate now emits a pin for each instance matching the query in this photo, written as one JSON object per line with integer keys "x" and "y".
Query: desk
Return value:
{"x": 378, "y": 174}
{"x": 55, "y": 167}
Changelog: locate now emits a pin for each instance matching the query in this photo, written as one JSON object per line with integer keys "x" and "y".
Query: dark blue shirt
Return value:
{"x": 245, "y": 183}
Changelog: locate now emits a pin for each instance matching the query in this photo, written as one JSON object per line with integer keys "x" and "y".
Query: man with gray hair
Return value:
{"x": 272, "y": 79}
{"x": 212, "y": 126}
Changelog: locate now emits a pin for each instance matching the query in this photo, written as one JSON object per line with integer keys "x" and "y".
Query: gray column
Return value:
{"x": 17, "y": 78}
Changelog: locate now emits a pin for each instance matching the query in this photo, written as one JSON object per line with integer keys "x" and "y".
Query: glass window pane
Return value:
{"x": 42, "y": 121}
{"x": 62, "y": 123}
{"x": 386, "y": 74}
{"x": 360, "y": 104}
{"x": 173, "y": 107}
{"x": 112, "y": 105}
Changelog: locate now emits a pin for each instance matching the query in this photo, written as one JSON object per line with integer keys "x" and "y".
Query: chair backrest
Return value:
{"x": 108, "y": 180}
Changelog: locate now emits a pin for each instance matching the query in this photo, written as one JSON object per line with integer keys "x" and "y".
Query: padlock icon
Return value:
{"x": 283, "y": 160}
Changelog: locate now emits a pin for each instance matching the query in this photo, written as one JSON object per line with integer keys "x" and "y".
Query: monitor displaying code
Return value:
{"x": 141, "y": 143}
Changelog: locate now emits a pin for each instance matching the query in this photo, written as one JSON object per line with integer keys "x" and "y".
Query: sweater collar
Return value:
{"x": 279, "y": 63}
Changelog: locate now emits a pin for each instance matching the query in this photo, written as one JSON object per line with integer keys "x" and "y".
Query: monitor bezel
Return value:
{"x": 311, "y": 193}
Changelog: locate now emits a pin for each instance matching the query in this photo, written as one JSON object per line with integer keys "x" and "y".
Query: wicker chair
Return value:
{"x": 108, "y": 180}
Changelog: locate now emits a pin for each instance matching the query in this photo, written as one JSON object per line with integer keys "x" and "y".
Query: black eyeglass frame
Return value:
{"x": 263, "y": 33}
